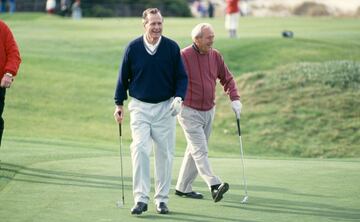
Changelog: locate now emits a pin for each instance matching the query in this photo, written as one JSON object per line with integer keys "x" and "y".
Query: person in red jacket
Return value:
{"x": 232, "y": 17}
{"x": 9, "y": 64}
{"x": 204, "y": 66}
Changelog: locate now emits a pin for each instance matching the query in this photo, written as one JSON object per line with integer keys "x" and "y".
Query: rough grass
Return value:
{"x": 295, "y": 107}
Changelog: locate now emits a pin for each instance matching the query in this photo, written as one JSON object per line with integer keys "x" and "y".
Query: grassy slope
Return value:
{"x": 307, "y": 110}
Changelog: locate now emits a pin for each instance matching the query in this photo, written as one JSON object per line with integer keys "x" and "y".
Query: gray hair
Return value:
{"x": 197, "y": 30}
{"x": 149, "y": 11}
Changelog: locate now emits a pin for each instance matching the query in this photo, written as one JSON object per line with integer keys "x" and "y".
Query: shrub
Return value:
{"x": 357, "y": 13}
{"x": 311, "y": 9}
{"x": 108, "y": 8}
{"x": 100, "y": 11}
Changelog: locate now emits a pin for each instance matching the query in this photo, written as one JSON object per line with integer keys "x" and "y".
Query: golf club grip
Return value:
{"x": 238, "y": 126}
{"x": 120, "y": 129}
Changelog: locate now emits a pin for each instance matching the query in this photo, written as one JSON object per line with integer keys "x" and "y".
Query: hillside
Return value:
{"x": 299, "y": 95}
{"x": 306, "y": 109}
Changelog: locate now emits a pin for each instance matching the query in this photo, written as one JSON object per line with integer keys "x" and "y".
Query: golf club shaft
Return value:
{"x": 242, "y": 154}
{"x": 121, "y": 165}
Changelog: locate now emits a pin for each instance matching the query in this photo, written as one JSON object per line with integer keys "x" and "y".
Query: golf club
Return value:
{"x": 246, "y": 197}
{"x": 121, "y": 203}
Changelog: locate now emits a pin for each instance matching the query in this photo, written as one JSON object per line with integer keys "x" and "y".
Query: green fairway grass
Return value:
{"x": 82, "y": 183}
{"x": 300, "y": 122}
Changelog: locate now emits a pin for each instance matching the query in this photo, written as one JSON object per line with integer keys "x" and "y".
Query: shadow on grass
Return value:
{"x": 181, "y": 216}
{"x": 62, "y": 178}
{"x": 55, "y": 177}
{"x": 296, "y": 207}
{"x": 276, "y": 190}
{"x": 292, "y": 206}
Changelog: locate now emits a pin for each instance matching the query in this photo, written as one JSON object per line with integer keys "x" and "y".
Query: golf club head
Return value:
{"x": 245, "y": 200}
{"x": 119, "y": 204}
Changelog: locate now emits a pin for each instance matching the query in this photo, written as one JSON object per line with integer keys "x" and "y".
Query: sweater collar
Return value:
{"x": 196, "y": 48}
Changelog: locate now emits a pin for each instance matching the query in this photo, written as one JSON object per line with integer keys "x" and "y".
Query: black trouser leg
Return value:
{"x": 2, "y": 104}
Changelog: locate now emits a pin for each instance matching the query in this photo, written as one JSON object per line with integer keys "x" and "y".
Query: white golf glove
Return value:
{"x": 175, "y": 106}
{"x": 236, "y": 106}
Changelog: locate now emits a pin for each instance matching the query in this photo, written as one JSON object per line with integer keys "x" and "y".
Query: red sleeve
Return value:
{"x": 13, "y": 59}
{"x": 226, "y": 79}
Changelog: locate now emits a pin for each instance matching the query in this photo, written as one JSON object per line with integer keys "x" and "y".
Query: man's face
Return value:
{"x": 153, "y": 26}
{"x": 204, "y": 43}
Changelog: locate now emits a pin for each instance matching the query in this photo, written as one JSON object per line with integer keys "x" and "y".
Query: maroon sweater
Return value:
{"x": 203, "y": 70}
{"x": 9, "y": 53}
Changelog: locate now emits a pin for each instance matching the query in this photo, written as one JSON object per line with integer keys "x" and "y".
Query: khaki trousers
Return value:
{"x": 197, "y": 128}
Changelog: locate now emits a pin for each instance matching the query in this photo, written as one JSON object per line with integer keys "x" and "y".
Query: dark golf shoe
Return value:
{"x": 139, "y": 208}
{"x": 218, "y": 192}
{"x": 192, "y": 194}
{"x": 161, "y": 208}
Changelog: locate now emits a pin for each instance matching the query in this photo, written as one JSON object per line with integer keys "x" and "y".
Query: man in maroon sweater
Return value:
{"x": 204, "y": 65}
{"x": 9, "y": 65}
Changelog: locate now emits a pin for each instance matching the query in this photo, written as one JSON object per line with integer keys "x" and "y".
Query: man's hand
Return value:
{"x": 6, "y": 80}
{"x": 175, "y": 106}
{"x": 119, "y": 114}
{"x": 236, "y": 106}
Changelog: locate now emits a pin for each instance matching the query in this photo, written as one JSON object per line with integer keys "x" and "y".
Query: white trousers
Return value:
{"x": 197, "y": 128}
{"x": 231, "y": 21}
{"x": 151, "y": 126}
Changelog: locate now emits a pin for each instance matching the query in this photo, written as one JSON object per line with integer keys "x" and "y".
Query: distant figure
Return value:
{"x": 65, "y": 7}
{"x": 9, "y": 64}
{"x": 201, "y": 9}
{"x": 211, "y": 9}
{"x": 11, "y": 6}
{"x": 76, "y": 10}
{"x": 232, "y": 17}
{"x": 50, "y": 6}
{"x": 244, "y": 8}
{"x": 3, "y": 6}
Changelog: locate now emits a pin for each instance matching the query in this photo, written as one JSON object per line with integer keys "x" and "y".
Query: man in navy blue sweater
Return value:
{"x": 153, "y": 73}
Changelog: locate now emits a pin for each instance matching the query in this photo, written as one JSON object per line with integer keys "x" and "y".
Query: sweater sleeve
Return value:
{"x": 227, "y": 80}
{"x": 181, "y": 76}
{"x": 123, "y": 79}
{"x": 13, "y": 56}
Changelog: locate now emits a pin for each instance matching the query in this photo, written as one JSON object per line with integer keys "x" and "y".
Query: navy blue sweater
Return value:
{"x": 151, "y": 78}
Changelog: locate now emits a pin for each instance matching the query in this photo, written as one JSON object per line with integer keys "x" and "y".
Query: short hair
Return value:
{"x": 197, "y": 30}
{"x": 148, "y": 11}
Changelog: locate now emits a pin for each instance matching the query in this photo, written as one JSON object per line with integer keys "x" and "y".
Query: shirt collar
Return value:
{"x": 196, "y": 48}
{"x": 151, "y": 46}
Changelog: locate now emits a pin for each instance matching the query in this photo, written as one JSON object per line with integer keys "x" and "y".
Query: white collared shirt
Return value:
{"x": 150, "y": 48}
